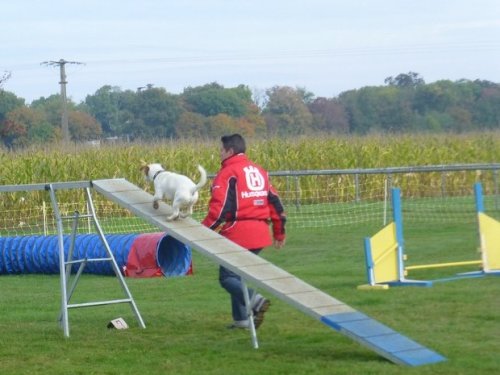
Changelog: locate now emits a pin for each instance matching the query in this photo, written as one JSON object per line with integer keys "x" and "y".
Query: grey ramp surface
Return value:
{"x": 299, "y": 294}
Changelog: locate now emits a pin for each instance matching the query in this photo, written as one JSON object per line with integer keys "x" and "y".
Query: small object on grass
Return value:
{"x": 118, "y": 323}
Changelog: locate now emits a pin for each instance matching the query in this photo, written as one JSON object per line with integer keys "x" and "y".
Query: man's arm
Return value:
{"x": 278, "y": 217}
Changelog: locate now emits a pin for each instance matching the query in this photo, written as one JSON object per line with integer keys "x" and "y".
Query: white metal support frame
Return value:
{"x": 65, "y": 265}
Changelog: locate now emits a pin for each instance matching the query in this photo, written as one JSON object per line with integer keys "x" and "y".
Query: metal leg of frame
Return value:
{"x": 248, "y": 305}
{"x": 69, "y": 260}
{"x": 62, "y": 269}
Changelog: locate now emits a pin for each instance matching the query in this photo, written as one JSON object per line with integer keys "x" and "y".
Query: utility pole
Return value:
{"x": 63, "y": 82}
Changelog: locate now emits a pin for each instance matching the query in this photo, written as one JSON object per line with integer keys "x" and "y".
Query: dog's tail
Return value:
{"x": 203, "y": 179}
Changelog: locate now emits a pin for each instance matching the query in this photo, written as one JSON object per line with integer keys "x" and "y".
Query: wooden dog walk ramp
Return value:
{"x": 308, "y": 299}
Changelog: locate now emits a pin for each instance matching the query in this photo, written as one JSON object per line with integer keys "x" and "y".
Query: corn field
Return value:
{"x": 84, "y": 163}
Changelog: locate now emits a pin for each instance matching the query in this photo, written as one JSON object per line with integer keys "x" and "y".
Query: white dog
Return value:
{"x": 181, "y": 190}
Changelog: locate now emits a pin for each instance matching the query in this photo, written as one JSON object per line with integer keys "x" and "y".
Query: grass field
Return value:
{"x": 186, "y": 316}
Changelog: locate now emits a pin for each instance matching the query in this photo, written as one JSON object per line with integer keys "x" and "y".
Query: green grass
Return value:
{"x": 186, "y": 316}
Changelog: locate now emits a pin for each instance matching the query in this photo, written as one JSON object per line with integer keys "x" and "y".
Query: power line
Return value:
{"x": 416, "y": 48}
{"x": 64, "y": 117}
{"x": 429, "y": 48}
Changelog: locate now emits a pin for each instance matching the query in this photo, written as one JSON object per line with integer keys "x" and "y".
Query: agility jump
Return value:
{"x": 385, "y": 256}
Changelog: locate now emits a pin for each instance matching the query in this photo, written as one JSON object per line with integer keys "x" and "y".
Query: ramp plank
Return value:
{"x": 132, "y": 197}
{"x": 265, "y": 271}
{"x": 216, "y": 245}
{"x": 310, "y": 300}
{"x": 314, "y": 299}
{"x": 241, "y": 259}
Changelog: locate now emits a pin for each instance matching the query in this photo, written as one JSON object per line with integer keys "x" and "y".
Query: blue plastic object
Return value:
{"x": 40, "y": 254}
{"x": 173, "y": 257}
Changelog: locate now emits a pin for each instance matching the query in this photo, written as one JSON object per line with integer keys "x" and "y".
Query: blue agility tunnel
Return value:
{"x": 137, "y": 255}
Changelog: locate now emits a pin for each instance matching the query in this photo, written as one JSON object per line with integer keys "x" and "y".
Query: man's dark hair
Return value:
{"x": 234, "y": 141}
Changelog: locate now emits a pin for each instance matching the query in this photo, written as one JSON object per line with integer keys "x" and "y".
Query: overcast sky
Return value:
{"x": 324, "y": 46}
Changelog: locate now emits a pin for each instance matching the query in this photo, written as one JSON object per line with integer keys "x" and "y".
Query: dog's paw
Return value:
{"x": 155, "y": 205}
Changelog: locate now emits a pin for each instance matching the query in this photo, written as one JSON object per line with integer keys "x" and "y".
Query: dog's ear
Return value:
{"x": 144, "y": 167}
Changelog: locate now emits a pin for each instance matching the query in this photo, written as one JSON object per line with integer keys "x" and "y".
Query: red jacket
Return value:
{"x": 244, "y": 202}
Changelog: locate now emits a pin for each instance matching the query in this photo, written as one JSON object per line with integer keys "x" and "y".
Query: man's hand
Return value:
{"x": 279, "y": 244}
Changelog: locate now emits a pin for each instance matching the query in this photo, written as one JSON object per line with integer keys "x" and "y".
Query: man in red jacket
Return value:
{"x": 242, "y": 204}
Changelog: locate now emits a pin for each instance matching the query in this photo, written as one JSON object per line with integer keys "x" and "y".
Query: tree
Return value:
{"x": 361, "y": 109}
{"x": 191, "y": 125}
{"x": 395, "y": 112}
{"x": 52, "y": 106}
{"x": 383, "y": 109}
{"x": 253, "y": 123}
{"x": 104, "y": 105}
{"x": 307, "y": 96}
{"x": 222, "y": 124}
{"x": 329, "y": 116}
{"x": 3, "y": 78}
{"x": 437, "y": 96}
{"x": 125, "y": 120}
{"x": 461, "y": 119}
{"x": 43, "y": 133}
{"x": 214, "y": 99}
{"x": 83, "y": 127}
{"x": 410, "y": 79}
{"x": 9, "y": 102}
{"x": 158, "y": 111}
{"x": 486, "y": 112}
{"x": 149, "y": 113}
{"x": 10, "y": 131}
{"x": 35, "y": 125}
{"x": 286, "y": 113}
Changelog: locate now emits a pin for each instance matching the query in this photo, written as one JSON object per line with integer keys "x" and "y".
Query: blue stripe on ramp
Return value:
{"x": 393, "y": 342}
{"x": 382, "y": 339}
{"x": 418, "y": 357}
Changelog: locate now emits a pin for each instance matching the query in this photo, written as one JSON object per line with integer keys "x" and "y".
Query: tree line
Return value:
{"x": 404, "y": 104}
